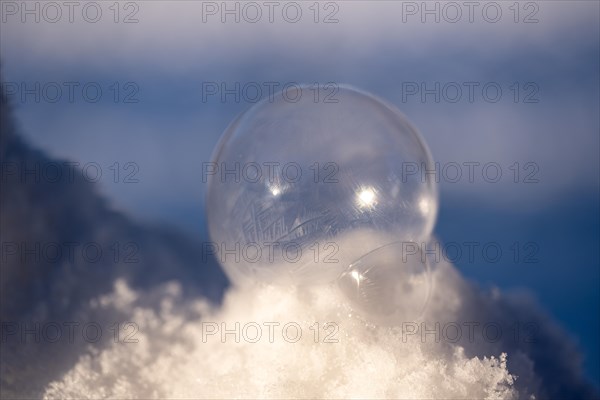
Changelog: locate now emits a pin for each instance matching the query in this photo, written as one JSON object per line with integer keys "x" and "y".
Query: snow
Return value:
{"x": 183, "y": 350}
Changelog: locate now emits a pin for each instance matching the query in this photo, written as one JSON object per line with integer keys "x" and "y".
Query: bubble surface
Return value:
{"x": 389, "y": 285}
{"x": 298, "y": 190}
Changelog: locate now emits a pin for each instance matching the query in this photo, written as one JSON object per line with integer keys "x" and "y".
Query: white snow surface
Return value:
{"x": 181, "y": 352}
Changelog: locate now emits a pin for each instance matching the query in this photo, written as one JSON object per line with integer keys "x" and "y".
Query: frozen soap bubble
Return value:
{"x": 300, "y": 186}
{"x": 389, "y": 285}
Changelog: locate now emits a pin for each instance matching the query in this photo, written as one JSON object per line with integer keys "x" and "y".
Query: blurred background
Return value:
{"x": 509, "y": 91}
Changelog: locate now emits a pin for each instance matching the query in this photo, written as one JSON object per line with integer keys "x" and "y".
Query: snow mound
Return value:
{"x": 282, "y": 342}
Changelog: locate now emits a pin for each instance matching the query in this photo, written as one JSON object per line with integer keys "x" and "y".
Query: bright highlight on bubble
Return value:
{"x": 366, "y": 197}
{"x": 335, "y": 191}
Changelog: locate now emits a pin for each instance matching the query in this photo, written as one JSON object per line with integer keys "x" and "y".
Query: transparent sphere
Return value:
{"x": 389, "y": 285}
{"x": 300, "y": 186}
